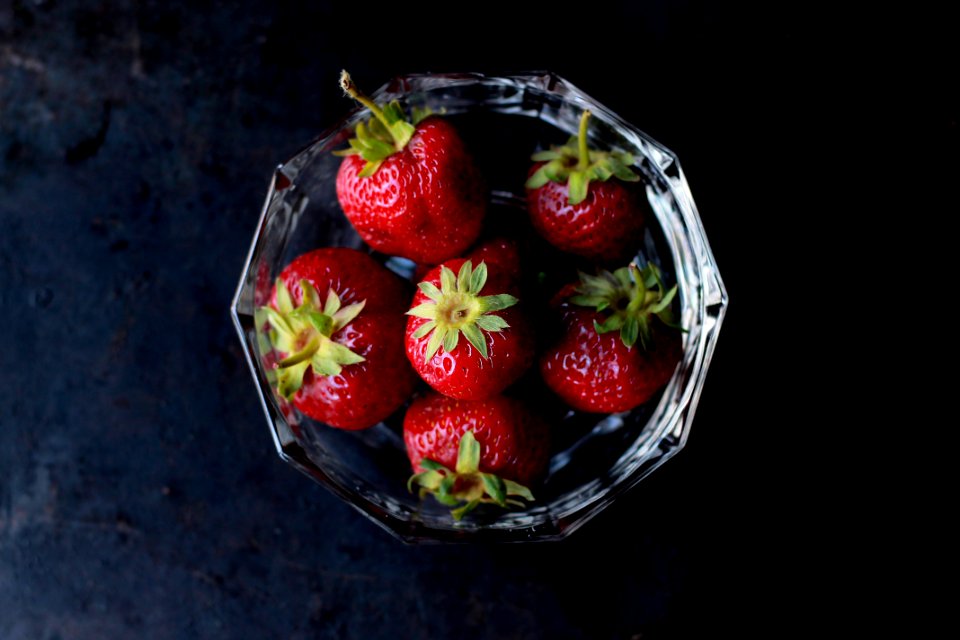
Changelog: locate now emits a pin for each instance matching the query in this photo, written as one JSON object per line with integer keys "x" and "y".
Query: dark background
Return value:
{"x": 140, "y": 495}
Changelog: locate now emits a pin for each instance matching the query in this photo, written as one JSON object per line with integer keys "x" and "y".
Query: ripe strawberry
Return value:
{"x": 343, "y": 340}
{"x": 501, "y": 254}
{"x": 498, "y": 345}
{"x": 473, "y": 451}
{"x": 576, "y": 207}
{"x": 410, "y": 188}
{"x": 594, "y": 369}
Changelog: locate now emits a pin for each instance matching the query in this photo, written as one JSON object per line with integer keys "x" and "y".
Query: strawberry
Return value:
{"x": 498, "y": 341}
{"x": 410, "y": 188}
{"x": 503, "y": 254}
{"x": 474, "y": 451}
{"x": 598, "y": 365}
{"x": 576, "y": 205}
{"x": 336, "y": 319}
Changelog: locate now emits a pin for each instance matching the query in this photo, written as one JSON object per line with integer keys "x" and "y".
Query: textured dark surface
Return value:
{"x": 140, "y": 495}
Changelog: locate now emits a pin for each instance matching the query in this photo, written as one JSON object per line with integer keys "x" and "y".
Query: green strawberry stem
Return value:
{"x": 575, "y": 165}
{"x": 630, "y": 297}
{"x": 346, "y": 83}
{"x": 305, "y": 333}
{"x": 466, "y": 487}
{"x": 584, "y": 150}
{"x": 385, "y": 134}
{"x": 457, "y": 307}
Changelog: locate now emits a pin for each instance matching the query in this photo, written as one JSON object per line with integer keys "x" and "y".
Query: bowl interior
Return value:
{"x": 595, "y": 457}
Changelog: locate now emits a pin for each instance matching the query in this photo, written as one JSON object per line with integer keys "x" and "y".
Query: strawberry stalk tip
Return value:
{"x": 577, "y": 165}
{"x": 630, "y": 297}
{"x": 466, "y": 487}
{"x": 583, "y": 151}
{"x": 304, "y": 333}
{"x": 458, "y": 308}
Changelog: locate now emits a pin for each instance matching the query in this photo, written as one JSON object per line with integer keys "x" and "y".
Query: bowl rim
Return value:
{"x": 709, "y": 311}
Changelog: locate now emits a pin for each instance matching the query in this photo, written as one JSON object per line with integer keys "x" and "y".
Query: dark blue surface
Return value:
{"x": 140, "y": 495}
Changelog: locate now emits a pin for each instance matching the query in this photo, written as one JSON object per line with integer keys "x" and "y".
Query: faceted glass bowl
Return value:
{"x": 595, "y": 457}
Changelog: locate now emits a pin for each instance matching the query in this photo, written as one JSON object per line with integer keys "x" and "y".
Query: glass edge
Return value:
{"x": 248, "y": 352}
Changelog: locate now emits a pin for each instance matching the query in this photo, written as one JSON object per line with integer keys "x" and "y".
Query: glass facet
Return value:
{"x": 596, "y": 458}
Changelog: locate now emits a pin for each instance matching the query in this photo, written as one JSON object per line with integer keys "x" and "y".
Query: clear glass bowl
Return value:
{"x": 595, "y": 458}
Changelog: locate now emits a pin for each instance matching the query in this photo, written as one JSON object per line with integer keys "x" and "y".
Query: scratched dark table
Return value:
{"x": 140, "y": 495}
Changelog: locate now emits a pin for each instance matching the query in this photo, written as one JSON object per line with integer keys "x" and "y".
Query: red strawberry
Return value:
{"x": 475, "y": 451}
{"x": 336, "y": 317}
{"x": 410, "y": 189}
{"x": 576, "y": 206}
{"x": 498, "y": 342}
{"x": 597, "y": 365}
{"x": 501, "y": 254}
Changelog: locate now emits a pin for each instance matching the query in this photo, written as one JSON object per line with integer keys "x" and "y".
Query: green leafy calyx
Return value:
{"x": 458, "y": 308}
{"x": 386, "y": 133}
{"x": 577, "y": 165}
{"x": 629, "y": 297}
{"x": 466, "y": 487}
{"x": 305, "y": 333}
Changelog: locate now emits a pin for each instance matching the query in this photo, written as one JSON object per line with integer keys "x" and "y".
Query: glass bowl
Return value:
{"x": 595, "y": 457}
